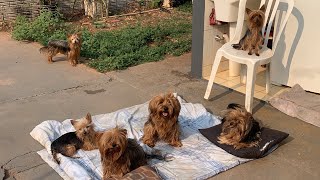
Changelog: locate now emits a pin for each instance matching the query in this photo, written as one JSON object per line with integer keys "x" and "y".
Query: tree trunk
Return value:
{"x": 90, "y": 8}
{"x": 166, "y": 3}
{"x": 106, "y": 6}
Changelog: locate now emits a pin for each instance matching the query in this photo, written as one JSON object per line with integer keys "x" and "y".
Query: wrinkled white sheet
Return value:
{"x": 197, "y": 159}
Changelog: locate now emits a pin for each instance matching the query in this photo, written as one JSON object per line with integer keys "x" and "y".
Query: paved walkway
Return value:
{"x": 32, "y": 91}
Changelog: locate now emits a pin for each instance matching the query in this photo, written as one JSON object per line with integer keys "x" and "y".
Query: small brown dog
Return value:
{"x": 71, "y": 48}
{"x": 239, "y": 128}
{"x": 163, "y": 121}
{"x": 253, "y": 39}
{"x": 86, "y": 133}
{"x": 119, "y": 155}
{"x": 83, "y": 138}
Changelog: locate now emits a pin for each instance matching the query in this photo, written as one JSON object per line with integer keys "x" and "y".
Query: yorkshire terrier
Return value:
{"x": 239, "y": 128}
{"x": 85, "y": 137}
{"x": 163, "y": 121}
{"x": 70, "y": 48}
{"x": 253, "y": 38}
{"x": 119, "y": 154}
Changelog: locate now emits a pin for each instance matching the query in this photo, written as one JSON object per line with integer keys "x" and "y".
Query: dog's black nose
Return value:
{"x": 114, "y": 145}
{"x": 166, "y": 108}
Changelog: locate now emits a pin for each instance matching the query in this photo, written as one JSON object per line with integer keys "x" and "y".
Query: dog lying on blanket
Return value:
{"x": 120, "y": 155}
{"x": 163, "y": 121}
{"x": 85, "y": 137}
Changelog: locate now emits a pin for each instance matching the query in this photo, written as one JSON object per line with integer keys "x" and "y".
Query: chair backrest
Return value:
{"x": 270, "y": 14}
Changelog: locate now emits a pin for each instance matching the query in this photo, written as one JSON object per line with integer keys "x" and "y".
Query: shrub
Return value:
{"x": 117, "y": 49}
{"x": 21, "y": 29}
{"x": 40, "y": 30}
{"x": 135, "y": 45}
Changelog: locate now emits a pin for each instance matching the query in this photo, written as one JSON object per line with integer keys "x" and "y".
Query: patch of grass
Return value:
{"x": 186, "y": 7}
{"x": 117, "y": 49}
{"x": 45, "y": 27}
{"x": 135, "y": 45}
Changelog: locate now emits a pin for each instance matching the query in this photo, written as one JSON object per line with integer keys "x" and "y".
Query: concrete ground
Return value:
{"x": 32, "y": 91}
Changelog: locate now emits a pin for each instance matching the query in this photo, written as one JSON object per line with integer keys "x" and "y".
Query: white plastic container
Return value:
{"x": 226, "y": 10}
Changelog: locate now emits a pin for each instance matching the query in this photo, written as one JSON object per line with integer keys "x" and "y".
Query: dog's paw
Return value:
{"x": 168, "y": 157}
{"x": 150, "y": 144}
{"x": 257, "y": 54}
{"x": 176, "y": 144}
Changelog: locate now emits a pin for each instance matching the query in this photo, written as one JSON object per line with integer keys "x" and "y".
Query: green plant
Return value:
{"x": 135, "y": 45}
{"x": 116, "y": 49}
{"x": 41, "y": 29}
{"x": 156, "y": 3}
{"x": 21, "y": 29}
{"x": 186, "y": 7}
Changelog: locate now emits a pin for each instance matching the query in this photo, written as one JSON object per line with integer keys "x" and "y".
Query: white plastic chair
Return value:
{"x": 252, "y": 61}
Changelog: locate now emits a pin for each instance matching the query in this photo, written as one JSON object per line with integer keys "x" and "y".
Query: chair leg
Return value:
{"x": 251, "y": 78}
{"x": 268, "y": 83}
{"x": 213, "y": 74}
{"x": 243, "y": 76}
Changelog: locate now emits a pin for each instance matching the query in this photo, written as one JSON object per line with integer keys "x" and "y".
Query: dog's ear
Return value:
{"x": 153, "y": 104}
{"x": 177, "y": 106}
{"x": 170, "y": 94}
{"x": 248, "y": 11}
{"x": 263, "y": 8}
{"x": 88, "y": 118}
{"x": 73, "y": 122}
{"x": 79, "y": 34}
{"x": 123, "y": 132}
{"x": 102, "y": 149}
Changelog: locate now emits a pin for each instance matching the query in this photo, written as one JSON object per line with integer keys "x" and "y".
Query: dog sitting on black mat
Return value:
{"x": 239, "y": 128}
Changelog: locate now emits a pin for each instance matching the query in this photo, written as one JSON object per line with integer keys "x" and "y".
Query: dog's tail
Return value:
{"x": 54, "y": 155}
{"x": 44, "y": 50}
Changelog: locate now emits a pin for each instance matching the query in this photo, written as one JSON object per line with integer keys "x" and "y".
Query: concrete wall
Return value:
{"x": 204, "y": 46}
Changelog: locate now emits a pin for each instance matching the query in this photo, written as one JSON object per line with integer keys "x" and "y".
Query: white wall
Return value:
{"x": 297, "y": 58}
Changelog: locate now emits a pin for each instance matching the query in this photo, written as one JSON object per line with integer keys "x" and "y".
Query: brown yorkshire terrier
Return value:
{"x": 119, "y": 155}
{"x": 163, "y": 121}
{"x": 253, "y": 38}
{"x": 70, "y": 48}
{"x": 83, "y": 138}
{"x": 239, "y": 129}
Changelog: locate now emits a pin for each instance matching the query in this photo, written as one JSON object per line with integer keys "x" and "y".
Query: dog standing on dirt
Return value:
{"x": 163, "y": 121}
{"x": 239, "y": 128}
{"x": 70, "y": 48}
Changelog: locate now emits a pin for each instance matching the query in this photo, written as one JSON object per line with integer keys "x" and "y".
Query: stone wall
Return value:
{"x": 10, "y": 9}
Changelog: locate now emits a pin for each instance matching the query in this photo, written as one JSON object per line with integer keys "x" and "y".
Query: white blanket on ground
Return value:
{"x": 198, "y": 158}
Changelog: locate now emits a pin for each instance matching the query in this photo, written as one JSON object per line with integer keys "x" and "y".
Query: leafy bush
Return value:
{"x": 112, "y": 50}
{"x": 135, "y": 45}
{"x": 21, "y": 29}
{"x": 40, "y": 30}
{"x": 185, "y": 7}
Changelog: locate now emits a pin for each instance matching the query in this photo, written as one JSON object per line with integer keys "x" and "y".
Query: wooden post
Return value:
{"x": 166, "y": 3}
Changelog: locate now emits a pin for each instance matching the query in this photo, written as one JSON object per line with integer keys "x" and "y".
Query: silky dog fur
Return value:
{"x": 85, "y": 137}
{"x": 70, "y": 48}
{"x": 239, "y": 128}
{"x": 253, "y": 38}
{"x": 163, "y": 121}
{"x": 119, "y": 155}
